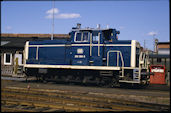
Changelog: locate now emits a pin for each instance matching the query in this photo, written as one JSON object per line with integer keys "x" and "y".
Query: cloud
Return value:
{"x": 50, "y": 11}
{"x": 49, "y": 16}
{"x": 8, "y": 28}
{"x": 67, "y": 15}
{"x": 58, "y": 15}
{"x": 152, "y": 33}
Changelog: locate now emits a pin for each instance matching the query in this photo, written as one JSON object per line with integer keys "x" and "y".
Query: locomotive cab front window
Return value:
{"x": 107, "y": 34}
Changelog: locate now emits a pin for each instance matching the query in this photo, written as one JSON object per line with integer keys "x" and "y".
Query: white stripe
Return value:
{"x": 62, "y": 45}
{"x": 118, "y": 45}
{"x": 72, "y": 67}
{"x": 129, "y": 81}
{"x": 26, "y": 50}
{"x": 133, "y": 53}
{"x": 37, "y": 53}
{"x": 90, "y": 44}
{"x": 101, "y": 44}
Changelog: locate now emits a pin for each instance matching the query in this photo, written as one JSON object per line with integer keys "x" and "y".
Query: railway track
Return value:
{"x": 37, "y": 100}
{"x": 151, "y": 87}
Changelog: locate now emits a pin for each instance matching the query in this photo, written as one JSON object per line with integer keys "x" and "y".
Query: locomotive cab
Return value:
{"x": 91, "y": 50}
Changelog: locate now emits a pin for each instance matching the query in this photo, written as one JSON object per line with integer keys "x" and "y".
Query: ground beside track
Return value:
{"x": 138, "y": 95}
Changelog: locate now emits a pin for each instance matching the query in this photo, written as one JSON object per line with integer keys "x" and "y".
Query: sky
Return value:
{"x": 141, "y": 20}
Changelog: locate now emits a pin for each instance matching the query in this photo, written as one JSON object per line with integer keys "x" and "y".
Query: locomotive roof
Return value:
{"x": 91, "y": 29}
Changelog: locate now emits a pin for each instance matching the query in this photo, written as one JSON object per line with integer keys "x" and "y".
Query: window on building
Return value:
{"x": 7, "y": 58}
{"x": 158, "y": 60}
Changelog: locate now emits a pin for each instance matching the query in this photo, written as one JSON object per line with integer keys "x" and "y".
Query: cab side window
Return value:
{"x": 85, "y": 37}
{"x": 82, "y": 37}
{"x": 95, "y": 37}
{"x": 78, "y": 37}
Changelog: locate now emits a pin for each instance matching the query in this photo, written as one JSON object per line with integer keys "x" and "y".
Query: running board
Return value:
{"x": 72, "y": 67}
{"x": 128, "y": 81}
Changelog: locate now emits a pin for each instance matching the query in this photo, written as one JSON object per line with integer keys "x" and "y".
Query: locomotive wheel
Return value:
{"x": 37, "y": 78}
{"x": 41, "y": 78}
{"x": 109, "y": 82}
{"x": 106, "y": 82}
{"x": 97, "y": 79}
{"x": 114, "y": 83}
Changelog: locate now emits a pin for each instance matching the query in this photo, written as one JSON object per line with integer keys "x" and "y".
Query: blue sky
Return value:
{"x": 136, "y": 19}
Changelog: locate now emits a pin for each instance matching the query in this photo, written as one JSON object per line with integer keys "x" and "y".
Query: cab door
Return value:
{"x": 80, "y": 48}
{"x": 95, "y": 49}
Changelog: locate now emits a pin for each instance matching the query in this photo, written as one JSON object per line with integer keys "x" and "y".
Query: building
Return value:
{"x": 163, "y": 48}
{"x": 12, "y": 47}
{"x": 162, "y": 57}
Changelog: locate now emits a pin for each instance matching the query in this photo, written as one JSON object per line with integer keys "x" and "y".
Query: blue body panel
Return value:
{"x": 126, "y": 53}
{"x": 32, "y": 53}
{"x": 82, "y": 58}
{"x": 71, "y": 52}
{"x": 62, "y": 55}
{"x": 49, "y": 42}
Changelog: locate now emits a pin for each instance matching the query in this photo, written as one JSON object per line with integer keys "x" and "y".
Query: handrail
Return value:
{"x": 118, "y": 52}
{"x": 140, "y": 59}
{"x": 99, "y": 44}
{"x": 91, "y": 44}
{"x": 142, "y": 63}
{"x": 143, "y": 60}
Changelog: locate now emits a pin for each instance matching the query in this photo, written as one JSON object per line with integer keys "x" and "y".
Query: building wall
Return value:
{"x": 163, "y": 51}
{"x": 161, "y": 61}
{"x": 163, "y": 45}
{"x": 8, "y": 69}
{"x": 163, "y": 48}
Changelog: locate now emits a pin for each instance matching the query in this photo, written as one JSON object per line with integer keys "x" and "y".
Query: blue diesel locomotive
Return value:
{"x": 88, "y": 56}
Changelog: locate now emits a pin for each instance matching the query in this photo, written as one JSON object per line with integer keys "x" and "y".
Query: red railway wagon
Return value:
{"x": 159, "y": 74}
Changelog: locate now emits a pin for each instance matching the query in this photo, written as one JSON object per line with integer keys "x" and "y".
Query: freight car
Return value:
{"x": 88, "y": 56}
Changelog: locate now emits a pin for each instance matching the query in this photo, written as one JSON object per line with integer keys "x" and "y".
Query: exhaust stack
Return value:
{"x": 78, "y": 25}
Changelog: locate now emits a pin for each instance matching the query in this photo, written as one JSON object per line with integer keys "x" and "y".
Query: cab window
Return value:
{"x": 82, "y": 37}
{"x": 95, "y": 38}
{"x": 78, "y": 36}
{"x": 85, "y": 37}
